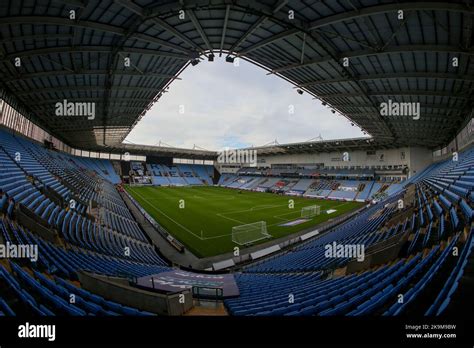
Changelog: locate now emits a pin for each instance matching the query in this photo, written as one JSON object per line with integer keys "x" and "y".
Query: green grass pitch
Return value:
{"x": 204, "y": 224}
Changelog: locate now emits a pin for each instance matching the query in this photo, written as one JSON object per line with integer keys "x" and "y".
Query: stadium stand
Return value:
{"x": 442, "y": 203}
{"x": 446, "y": 185}
{"x": 180, "y": 174}
{"x": 348, "y": 190}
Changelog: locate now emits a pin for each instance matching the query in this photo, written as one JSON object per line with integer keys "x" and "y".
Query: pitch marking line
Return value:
{"x": 225, "y": 217}
{"x": 228, "y": 218}
{"x": 220, "y": 198}
{"x": 254, "y": 208}
{"x": 171, "y": 219}
{"x": 264, "y": 206}
{"x": 277, "y": 223}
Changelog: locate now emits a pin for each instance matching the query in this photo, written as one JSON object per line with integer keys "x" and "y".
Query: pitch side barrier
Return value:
{"x": 173, "y": 241}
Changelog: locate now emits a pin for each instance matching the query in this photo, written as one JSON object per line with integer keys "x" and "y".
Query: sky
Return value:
{"x": 217, "y": 105}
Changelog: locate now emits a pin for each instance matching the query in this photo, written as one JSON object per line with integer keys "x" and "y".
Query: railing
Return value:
{"x": 208, "y": 292}
{"x": 174, "y": 242}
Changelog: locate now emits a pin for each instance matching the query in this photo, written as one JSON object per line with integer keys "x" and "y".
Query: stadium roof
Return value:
{"x": 407, "y": 59}
{"x": 339, "y": 145}
{"x": 164, "y": 151}
{"x": 325, "y": 146}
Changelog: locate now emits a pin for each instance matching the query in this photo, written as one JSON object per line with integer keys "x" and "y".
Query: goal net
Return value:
{"x": 250, "y": 233}
{"x": 310, "y": 211}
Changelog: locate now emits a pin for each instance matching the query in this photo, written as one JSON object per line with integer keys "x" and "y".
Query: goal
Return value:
{"x": 250, "y": 233}
{"x": 310, "y": 211}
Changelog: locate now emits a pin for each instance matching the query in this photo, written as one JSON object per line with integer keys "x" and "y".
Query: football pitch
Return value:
{"x": 202, "y": 218}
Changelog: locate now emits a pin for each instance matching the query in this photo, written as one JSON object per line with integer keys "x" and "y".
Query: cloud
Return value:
{"x": 224, "y": 105}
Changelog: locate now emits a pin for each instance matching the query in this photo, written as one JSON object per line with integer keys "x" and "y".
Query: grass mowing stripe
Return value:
{"x": 205, "y": 223}
{"x": 159, "y": 211}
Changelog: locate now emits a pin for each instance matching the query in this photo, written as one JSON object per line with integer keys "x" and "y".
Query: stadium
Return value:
{"x": 375, "y": 225}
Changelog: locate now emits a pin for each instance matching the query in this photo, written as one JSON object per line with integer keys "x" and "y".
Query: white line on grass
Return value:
{"x": 295, "y": 211}
{"x": 217, "y": 197}
{"x": 173, "y": 220}
{"x": 253, "y": 209}
{"x": 262, "y": 207}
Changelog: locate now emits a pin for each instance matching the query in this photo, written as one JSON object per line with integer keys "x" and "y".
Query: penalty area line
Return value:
{"x": 171, "y": 219}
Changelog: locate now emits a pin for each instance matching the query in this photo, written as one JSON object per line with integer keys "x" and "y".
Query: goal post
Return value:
{"x": 310, "y": 211}
{"x": 250, "y": 233}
